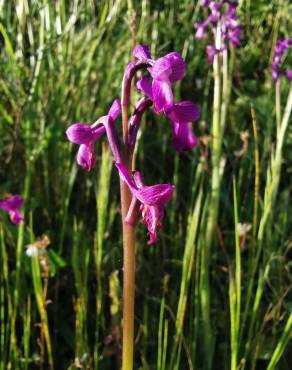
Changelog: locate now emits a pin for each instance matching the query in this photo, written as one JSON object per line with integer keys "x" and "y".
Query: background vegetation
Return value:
{"x": 62, "y": 62}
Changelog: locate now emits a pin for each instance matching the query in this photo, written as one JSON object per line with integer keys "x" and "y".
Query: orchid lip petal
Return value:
{"x": 86, "y": 157}
{"x": 183, "y": 112}
{"x": 162, "y": 96}
{"x": 152, "y": 217}
{"x": 183, "y": 137}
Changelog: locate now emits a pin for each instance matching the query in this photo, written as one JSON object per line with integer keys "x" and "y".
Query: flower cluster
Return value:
{"x": 280, "y": 48}
{"x": 224, "y": 24}
{"x": 12, "y": 206}
{"x": 157, "y": 89}
{"x": 164, "y": 72}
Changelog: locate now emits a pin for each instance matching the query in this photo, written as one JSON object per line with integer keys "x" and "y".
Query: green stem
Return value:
{"x": 213, "y": 210}
{"x": 278, "y": 104}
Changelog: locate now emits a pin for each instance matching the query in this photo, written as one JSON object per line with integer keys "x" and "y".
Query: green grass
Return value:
{"x": 202, "y": 300}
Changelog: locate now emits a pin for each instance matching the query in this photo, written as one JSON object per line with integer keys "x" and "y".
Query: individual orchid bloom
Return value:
{"x": 151, "y": 200}
{"x": 164, "y": 72}
{"x": 12, "y": 206}
{"x": 281, "y": 47}
{"x": 181, "y": 113}
{"x": 86, "y": 135}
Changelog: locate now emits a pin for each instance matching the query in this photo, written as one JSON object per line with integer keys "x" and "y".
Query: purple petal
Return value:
{"x": 115, "y": 109}
{"x": 16, "y": 217}
{"x": 141, "y": 52}
{"x": 183, "y": 137}
{"x": 79, "y": 133}
{"x": 162, "y": 96}
{"x": 215, "y": 8}
{"x": 170, "y": 68}
{"x": 289, "y": 75}
{"x": 200, "y": 33}
{"x": 152, "y": 217}
{"x": 124, "y": 176}
{"x": 85, "y": 156}
{"x": 204, "y": 3}
{"x": 12, "y": 203}
{"x": 112, "y": 137}
{"x": 155, "y": 194}
{"x": 211, "y": 52}
{"x": 184, "y": 112}
{"x": 144, "y": 85}
{"x": 12, "y": 206}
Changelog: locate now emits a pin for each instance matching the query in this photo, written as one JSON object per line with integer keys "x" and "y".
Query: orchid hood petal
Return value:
{"x": 142, "y": 52}
{"x": 170, "y": 68}
{"x": 79, "y": 133}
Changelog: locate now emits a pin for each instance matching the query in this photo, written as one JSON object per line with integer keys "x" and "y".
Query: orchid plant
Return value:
{"x": 221, "y": 26}
{"x": 223, "y": 22}
{"x": 137, "y": 199}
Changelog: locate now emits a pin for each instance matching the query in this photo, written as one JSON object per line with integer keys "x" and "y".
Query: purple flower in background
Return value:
{"x": 223, "y": 19}
{"x": 86, "y": 135}
{"x": 150, "y": 198}
{"x": 12, "y": 206}
{"x": 281, "y": 47}
{"x": 181, "y": 114}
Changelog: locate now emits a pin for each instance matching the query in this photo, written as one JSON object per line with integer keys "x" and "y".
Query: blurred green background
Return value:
{"x": 62, "y": 62}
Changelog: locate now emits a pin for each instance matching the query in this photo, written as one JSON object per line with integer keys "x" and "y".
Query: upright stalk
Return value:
{"x": 129, "y": 280}
{"x": 213, "y": 208}
{"x": 128, "y": 243}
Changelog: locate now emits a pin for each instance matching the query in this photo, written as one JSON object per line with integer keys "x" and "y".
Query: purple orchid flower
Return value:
{"x": 281, "y": 47}
{"x": 181, "y": 114}
{"x": 86, "y": 135}
{"x": 151, "y": 200}
{"x": 227, "y": 20}
{"x": 164, "y": 71}
{"x": 12, "y": 206}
